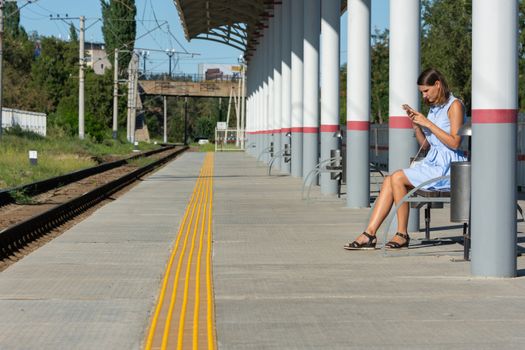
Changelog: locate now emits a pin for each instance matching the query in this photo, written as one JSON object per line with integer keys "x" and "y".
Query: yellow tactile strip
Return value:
{"x": 181, "y": 320}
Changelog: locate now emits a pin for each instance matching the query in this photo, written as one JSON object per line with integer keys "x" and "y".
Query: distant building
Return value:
{"x": 96, "y": 57}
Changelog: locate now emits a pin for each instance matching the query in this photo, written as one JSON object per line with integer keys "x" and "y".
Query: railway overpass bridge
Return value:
{"x": 205, "y": 88}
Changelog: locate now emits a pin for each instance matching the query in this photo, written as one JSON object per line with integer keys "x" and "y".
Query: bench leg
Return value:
{"x": 466, "y": 241}
{"x": 427, "y": 222}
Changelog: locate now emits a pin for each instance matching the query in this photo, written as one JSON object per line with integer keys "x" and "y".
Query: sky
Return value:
{"x": 160, "y": 18}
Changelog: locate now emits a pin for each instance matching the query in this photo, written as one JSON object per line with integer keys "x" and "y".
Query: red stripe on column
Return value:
{"x": 494, "y": 116}
{"x": 357, "y": 125}
{"x": 329, "y": 128}
{"x": 521, "y": 157}
{"x": 310, "y": 130}
{"x": 297, "y": 129}
{"x": 399, "y": 122}
{"x": 285, "y": 130}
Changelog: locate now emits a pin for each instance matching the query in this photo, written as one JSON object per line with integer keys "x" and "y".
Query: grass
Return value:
{"x": 58, "y": 154}
{"x": 21, "y": 197}
{"x": 140, "y": 162}
{"x": 210, "y": 147}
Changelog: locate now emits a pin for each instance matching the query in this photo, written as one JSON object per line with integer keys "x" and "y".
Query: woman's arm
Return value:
{"x": 455, "y": 114}
{"x": 420, "y": 137}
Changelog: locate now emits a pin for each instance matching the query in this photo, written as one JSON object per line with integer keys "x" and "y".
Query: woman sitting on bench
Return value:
{"x": 438, "y": 134}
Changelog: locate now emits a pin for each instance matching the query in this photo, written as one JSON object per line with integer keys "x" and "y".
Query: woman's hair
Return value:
{"x": 429, "y": 77}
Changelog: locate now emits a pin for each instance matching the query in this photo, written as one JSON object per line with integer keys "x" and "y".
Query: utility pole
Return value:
{"x": 81, "y": 80}
{"x": 115, "y": 95}
{"x": 132, "y": 96}
{"x": 1, "y": 58}
{"x": 165, "y": 138}
{"x": 144, "y": 55}
{"x": 170, "y": 53}
{"x": 185, "y": 120}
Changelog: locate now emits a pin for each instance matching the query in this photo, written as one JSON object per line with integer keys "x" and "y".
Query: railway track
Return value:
{"x": 50, "y": 203}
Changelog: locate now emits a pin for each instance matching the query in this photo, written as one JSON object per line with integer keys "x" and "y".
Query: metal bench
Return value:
{"x": 429, "y": 202}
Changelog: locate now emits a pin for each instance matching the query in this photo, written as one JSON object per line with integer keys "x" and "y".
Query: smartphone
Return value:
{"x": 408, "y": 109}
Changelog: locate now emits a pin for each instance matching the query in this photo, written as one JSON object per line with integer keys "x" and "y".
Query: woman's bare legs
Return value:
{"x": 400, "y": 187}
{"x": 394, "y": 188}
{"x": 381, "y": 209}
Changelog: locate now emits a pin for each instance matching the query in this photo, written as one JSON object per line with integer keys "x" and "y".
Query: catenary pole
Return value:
{"x": 115, "y": 95}
{"x": 81, "y": 78}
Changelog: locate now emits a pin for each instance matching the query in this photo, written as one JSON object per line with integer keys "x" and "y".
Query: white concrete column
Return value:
{"x": 271, "y": 87}
{"x": 250, "y": 99}
{"x": 494, "y": 126}
{"x": 403, "y": 74}
{"x": 265, "y": 95}
{"x": 260, "y": 97}
{"x": 277, "y": 82}
{"x": 330, "y": 31}
{"x": 248, "y": 109}
{"x": 312, "y": 29}
{"x": 297, "y": 87}
{"x": 358, "y": 105}
{"x": 258, "y": 100}
{"x": 286, "y": 85}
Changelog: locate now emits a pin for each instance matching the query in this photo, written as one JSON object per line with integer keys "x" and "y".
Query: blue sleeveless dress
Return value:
{"x": 439, "y": 156}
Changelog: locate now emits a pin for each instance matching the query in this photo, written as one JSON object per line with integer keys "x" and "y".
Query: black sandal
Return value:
{"x": 369, "y": 245}
{"x": 395, "y": 245}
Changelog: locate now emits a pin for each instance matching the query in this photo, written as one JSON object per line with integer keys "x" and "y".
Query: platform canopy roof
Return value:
{"x": 237, "y": 23}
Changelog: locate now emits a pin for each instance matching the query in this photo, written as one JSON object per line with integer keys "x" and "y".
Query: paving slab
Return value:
{"x": 95, "y": 286}
{"x": 281, "y": 277}
{"x": 283, "y": 281}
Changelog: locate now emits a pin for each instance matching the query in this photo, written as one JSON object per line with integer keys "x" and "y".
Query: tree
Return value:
{"x": 54, "y": 70}
{"x": 446, "y": 43}
{"x": 379, "y": 75}
{"x": 12, "y": 18}
{"x": 73, "y": 36}
{"x": 119, "y": 29}
{"x": 342, "y": 94}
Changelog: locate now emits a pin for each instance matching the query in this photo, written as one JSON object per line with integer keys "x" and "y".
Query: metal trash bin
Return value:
{"x": 460, "y": 191}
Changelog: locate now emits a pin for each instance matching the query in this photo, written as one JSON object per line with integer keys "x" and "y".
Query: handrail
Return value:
{"x": 278, "y": 154}
{"x": 264, "y": 151}
{"x": 317, "y": 170}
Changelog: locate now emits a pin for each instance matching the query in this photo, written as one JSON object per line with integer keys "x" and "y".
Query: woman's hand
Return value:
{"x": 418, "y": 118}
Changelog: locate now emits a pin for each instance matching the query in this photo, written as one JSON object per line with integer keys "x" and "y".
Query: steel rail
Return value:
{"x": 15, "y": 237}
{"x": 38, "y": 187}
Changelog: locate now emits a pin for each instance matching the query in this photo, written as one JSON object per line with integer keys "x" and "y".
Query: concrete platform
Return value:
{"x": 281, "y": 277}
{"x": 283, "y": 281}
{"x": 95, "y": 286}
